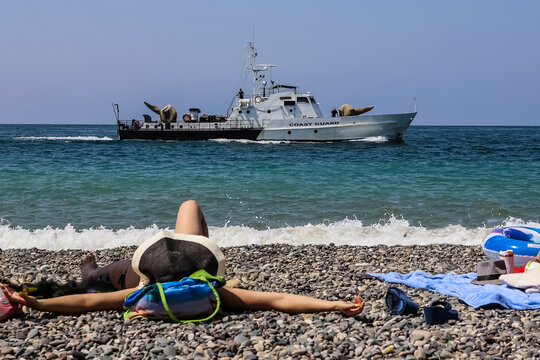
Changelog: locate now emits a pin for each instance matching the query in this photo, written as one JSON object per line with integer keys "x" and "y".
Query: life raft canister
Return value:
{"x": 524, "y": 241}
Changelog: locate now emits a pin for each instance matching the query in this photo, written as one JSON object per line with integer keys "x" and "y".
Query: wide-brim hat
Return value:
{"x": 169, "y": 256}
{"x": 488, "y": 272}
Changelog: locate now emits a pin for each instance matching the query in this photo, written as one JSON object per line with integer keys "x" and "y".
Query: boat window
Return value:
{"x": 302, "y": 100}
{"x": 312, "y": 100}
{"x": 289, "y": 102}
{"x": 284, "y": 97}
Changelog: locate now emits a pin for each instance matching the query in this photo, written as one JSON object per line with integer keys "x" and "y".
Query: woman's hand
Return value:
{"x": 71, "y": 304}
{"x": 351, "y": 308}
{"x": 19, "y": 298}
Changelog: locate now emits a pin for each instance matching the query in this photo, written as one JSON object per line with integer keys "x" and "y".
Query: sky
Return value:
{"x": 466, "y": 62}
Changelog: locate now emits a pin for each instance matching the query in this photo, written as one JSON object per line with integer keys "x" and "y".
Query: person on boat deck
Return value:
{"x": 240, "y": 94}
{"x": 120, "y": 275}
{"x": 334, "y": 112}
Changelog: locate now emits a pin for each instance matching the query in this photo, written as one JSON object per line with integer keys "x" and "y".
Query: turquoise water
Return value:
{"x": 55, "y": 175}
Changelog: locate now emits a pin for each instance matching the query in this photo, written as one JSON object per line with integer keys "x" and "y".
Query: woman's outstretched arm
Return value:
{"x": 71, "y": 304}
{"x": 240, "y": 299}
{"x": 233, "y": 299}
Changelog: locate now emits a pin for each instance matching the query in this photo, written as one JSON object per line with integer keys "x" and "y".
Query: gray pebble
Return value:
{"x": 107, "y": 349}
{"x": 241, "y": 339}
{"x": 32, "y": 333}
{"x": 329, "y": 272}
{"x": 4, "y": 350}
{"x": 169, "y": 351}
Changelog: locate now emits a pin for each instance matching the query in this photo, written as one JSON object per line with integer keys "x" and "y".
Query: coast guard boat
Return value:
{"x": 271, "y": 112}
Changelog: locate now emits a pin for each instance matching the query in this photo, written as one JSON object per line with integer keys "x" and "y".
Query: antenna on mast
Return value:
{"x": 256, "y": 69}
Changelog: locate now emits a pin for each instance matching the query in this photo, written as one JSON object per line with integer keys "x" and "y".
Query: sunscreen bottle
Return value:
{"x": 508, "y": 257}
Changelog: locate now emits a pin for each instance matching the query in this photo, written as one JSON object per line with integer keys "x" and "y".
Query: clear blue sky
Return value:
{"x": 467, "y": 62}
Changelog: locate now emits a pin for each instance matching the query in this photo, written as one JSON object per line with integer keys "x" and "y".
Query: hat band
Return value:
{"x": 488, "y": 277}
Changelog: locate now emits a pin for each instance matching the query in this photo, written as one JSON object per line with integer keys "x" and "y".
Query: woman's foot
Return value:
{"x": 87, "y": 266}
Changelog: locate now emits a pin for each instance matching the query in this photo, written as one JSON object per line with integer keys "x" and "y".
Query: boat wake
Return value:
{"x": 245, "y": 141}
{"x": 346, "y": 232}
{"x": 373, "y": 139}
{"x": 66, "y": 138}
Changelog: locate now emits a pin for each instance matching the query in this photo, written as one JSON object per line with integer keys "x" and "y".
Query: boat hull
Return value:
{"x": 391, "y": 126}
{"x": 184, "y": 135}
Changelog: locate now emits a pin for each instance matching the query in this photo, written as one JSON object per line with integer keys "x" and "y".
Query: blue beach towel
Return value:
{"x": 460, "y": 287}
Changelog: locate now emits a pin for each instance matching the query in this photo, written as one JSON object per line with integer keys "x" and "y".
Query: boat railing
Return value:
{"x": 187, "y": 126}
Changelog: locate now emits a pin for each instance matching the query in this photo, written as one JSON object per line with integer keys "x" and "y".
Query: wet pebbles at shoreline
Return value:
{"x": 325, "y": 271}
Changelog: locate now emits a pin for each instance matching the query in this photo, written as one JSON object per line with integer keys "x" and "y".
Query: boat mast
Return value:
{"x": 252, "y": 64}
{"x": 256, "y": 69}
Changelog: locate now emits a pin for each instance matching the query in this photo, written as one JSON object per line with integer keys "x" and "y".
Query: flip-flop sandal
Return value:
{"x": 399, "y": 303}
{"x": 439, "y": 312}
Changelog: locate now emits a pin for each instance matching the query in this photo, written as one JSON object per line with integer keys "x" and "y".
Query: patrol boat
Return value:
{"x": 271, "y": 112}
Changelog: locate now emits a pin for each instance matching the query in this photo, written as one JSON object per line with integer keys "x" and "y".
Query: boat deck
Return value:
{"x": 129, "y": 129}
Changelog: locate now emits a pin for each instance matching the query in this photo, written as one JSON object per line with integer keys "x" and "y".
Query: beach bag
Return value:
{"x": 194, "y": 298}
{"x": 169, "y": 256}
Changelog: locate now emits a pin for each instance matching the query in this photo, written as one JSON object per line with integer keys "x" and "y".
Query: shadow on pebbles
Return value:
{"x": 325, "y": 271}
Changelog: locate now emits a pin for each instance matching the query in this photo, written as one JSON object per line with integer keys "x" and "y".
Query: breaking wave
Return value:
{"x": 346, "y": 232}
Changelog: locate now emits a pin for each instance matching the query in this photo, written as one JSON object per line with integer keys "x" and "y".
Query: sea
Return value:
{"x": 78, "y": 187}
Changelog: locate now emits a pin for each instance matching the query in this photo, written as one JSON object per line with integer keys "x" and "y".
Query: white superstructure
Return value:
{"x": 286, "y": 114}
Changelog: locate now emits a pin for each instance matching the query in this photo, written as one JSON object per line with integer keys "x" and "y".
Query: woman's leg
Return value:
{"x": 190, "y": 219}
{"x": 118, "y": 276}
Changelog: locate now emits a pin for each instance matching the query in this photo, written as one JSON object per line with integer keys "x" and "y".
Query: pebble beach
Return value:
{"x": 325, "y": 271}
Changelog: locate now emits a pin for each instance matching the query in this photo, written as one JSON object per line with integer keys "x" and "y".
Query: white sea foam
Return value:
{"x": 71, "y": 238}
{"x": 347, "y": 232}
{"x": 245, "y": 141}
{"x": 68, "y": 138}
{"x": 374, "y": 139}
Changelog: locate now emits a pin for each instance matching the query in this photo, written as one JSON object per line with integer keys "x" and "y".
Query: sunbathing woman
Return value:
{"x": 120, "y": 276}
